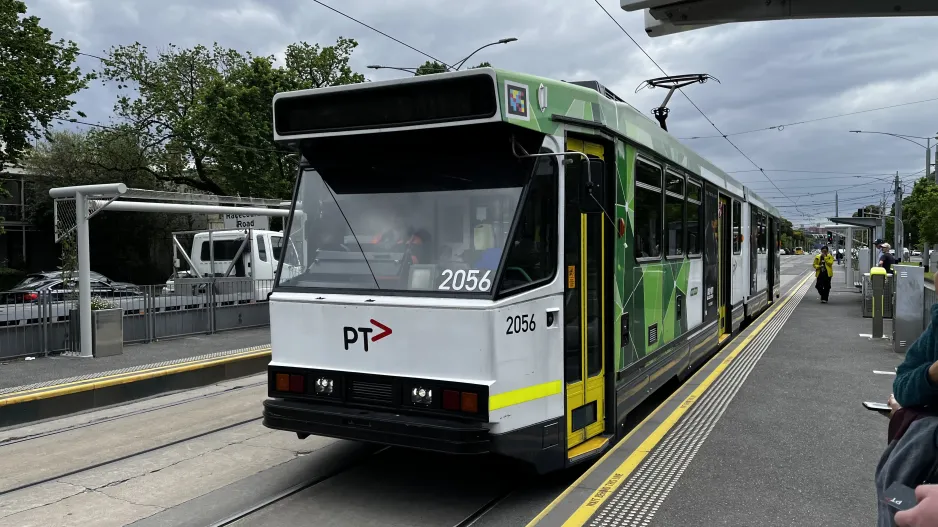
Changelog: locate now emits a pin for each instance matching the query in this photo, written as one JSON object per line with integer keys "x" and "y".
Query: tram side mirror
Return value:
{"x": 591, "y": 194}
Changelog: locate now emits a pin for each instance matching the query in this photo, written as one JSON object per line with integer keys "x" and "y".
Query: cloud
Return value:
{"x": 771, "y": 72}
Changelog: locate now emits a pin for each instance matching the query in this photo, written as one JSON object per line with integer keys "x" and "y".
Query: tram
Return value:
{"x": 492, "y": 262}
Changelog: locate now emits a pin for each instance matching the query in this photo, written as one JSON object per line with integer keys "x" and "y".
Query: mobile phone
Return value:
{"x": 899, "y": 497}
{"x": 882, "y": 408}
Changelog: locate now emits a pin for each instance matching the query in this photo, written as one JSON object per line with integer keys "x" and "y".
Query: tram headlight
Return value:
{"x": 421, "y": 395}
{"x": 324, "y": 385}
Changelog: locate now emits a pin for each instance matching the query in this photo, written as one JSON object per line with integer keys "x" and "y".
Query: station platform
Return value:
{"x": 54, "y": 386}
{"x": 771, "y": 431}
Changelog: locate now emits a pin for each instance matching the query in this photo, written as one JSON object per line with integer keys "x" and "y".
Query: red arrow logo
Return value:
{"x": 385, "y": 331}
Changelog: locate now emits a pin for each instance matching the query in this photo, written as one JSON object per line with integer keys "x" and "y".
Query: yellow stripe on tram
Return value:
{"x": 523, "y": 395}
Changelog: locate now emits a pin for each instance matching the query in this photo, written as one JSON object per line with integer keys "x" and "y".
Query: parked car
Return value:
{"x": 916, "y": 252}
{"x": 53, "y": 285}
{"x": 57, "y": 275}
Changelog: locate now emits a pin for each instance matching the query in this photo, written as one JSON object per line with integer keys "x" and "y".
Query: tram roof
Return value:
{"x": 589, "y": 104}
{"x": 540, "y": 104}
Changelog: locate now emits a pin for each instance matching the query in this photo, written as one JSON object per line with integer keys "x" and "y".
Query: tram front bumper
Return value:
{"x": 386, "y": 428}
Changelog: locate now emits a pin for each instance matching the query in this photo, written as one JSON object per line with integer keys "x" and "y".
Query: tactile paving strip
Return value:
{"x": 637, "y": 500}
{"x": 90, "y": 376}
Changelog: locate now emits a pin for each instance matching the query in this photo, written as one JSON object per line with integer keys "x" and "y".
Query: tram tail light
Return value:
{"x": 287, "y": 383}
{"x": 282, "y": 382}
{"x": 470, "y": 402}
{"x": 451, "y": 400}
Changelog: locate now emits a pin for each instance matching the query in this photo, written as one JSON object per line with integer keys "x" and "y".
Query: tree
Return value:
{"x": 126, "y": 245}
{"x": 204, "y": 115}
{"x": 920, "y": 210}
{"x": 37, "y": 80}
{"x": 429, "y": 67}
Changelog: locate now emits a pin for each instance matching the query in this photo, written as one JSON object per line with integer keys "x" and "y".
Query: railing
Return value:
{"x": 33, "y": 324}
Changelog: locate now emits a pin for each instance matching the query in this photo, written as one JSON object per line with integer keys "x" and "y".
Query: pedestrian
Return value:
{"x": 824, "y": 271}
{"x": 887, "y": 260}
{"x": 878, "y": 244}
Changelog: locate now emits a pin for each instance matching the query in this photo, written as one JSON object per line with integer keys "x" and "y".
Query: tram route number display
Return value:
{"x": 462, "y": 280}
{"x": 520, "y": 324}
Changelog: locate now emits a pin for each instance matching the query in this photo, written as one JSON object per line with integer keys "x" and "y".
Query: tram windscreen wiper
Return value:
{"x": 354, "y": 237}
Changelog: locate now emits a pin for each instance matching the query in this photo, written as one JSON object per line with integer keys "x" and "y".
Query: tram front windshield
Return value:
{"x": 414, "y": 225}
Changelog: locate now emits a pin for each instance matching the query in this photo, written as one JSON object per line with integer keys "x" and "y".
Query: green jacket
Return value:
{"x": 912, "y": 386}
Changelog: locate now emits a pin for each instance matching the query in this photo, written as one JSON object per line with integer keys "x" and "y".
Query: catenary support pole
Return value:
{"x": 84, "y": 275}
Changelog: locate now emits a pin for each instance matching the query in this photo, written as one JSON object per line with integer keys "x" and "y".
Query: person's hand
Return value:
{"x": 925, "y": 513}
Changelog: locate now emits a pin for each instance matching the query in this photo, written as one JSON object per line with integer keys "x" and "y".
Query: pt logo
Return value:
{"x": 351, "y": 334}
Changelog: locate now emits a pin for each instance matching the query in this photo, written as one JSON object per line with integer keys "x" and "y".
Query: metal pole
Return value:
{"x": 848, "y": 257}
{"x": 896, "y": 228}
{"x": 836, "y": 205}
{"x": 84, "y": 276}
{"x": 925, "y": 258}
{"x": 878, "y": 281}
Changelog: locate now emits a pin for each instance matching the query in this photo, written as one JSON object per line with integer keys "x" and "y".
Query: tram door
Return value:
{"x": 584, "y": 319}
{"x": 724, "y": 261}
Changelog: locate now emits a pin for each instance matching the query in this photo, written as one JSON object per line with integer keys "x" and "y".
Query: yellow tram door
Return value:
{"x": 584, "y": 316}
{"x": 723, "y": 264}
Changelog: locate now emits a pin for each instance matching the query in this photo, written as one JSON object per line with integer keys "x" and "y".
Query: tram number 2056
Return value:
{"x": 462, "y": 280}
{"x": 520, "y": 324}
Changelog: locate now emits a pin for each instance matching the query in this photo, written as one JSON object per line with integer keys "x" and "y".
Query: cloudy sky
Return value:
{"x": 771, "y": 73}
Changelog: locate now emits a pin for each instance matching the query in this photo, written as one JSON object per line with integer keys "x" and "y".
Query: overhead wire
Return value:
{"x": 781, "y": 127}
{"x": 425, "y": 54}
{"x": 704, "y": 115}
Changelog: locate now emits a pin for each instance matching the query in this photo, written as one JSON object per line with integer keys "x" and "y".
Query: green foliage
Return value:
{"x": 433, "y": 66}
{"x": 123, "y": 242}
{"x": 10, "y": 277}
{"x": 430, "y": 67}
{"x": 204, "y": 117}
{"x": 920, "y": 210}
{"x": 36, "y": 80}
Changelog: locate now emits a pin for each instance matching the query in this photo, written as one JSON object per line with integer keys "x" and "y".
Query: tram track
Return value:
{"x": 15, "y": 439}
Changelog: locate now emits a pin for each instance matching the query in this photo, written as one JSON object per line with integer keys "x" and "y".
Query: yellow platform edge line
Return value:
{"x": 523, "y": 395}
{"x": 598, "y": 497}
{"x": 125, "y": 378}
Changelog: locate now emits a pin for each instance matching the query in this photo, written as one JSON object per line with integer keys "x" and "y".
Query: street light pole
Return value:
{"x": 463, "y": 61}
{"x": 455, "y": 67}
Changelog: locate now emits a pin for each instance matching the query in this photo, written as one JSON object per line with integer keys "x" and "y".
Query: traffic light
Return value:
{"x": 830, "y": 237}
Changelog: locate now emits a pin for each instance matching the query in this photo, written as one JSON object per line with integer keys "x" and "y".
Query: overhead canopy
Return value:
{"x": 870, "y": 223}
{"x": 665, "y": 17}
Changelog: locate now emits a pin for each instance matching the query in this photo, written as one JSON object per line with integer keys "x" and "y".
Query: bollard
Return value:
{"x": 878, "y": 281}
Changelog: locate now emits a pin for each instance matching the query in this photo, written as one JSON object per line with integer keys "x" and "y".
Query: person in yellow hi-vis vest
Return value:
{"x": 824, "y": 271}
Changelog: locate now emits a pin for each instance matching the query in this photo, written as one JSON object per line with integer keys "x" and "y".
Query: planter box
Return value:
{"x": 107, "y": 332}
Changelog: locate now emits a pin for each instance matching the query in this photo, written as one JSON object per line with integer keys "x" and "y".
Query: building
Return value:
{"x": 23, "y": 245}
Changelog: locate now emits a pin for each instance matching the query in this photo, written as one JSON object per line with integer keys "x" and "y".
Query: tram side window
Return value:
{"x": 763, "y": 241}
{"x": 533, "y": 250}
{"x": 674, "y": 214}
{"x": 648, "y": 217}
{"x": 693, "y": 218}
{"x": 737, "y": 226}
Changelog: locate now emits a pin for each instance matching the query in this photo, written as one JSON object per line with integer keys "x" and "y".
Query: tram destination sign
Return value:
{"x": 374, "y": 105}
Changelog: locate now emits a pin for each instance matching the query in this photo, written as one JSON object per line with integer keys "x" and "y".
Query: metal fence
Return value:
{"x": 44, "y": 322}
